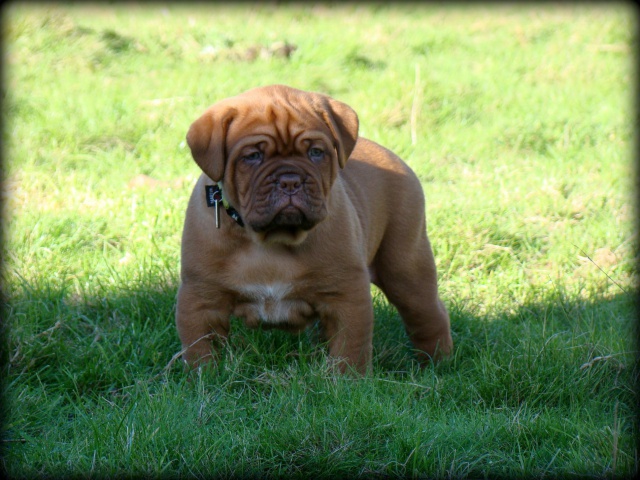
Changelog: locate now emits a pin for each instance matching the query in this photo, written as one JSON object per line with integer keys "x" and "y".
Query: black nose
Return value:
{"x": 289, "y": 183}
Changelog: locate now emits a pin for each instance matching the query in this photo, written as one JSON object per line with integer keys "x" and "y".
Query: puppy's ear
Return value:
{"x": 342, "y": 120}
{"x": 207, "y": 140}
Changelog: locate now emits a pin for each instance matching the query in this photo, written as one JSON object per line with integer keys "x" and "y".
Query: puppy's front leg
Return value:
{"x": 203, "y": 326}
{"x": 348, "y": 327}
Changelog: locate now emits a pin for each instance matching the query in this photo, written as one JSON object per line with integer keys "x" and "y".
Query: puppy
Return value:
{"x": 292, "y": 219}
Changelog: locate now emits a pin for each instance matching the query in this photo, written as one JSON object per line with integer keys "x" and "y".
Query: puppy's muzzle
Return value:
{"x": 288, "y": 202}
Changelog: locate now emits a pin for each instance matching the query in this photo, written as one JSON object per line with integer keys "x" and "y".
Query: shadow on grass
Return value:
{"x": 104, "y": 343}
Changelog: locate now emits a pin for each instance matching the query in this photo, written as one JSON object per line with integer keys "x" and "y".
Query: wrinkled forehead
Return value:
{"x": 285, "y": 120}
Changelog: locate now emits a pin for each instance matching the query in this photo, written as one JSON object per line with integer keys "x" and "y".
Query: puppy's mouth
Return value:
{"x": 289, "y": 225}
{"x": 290, "y": 217}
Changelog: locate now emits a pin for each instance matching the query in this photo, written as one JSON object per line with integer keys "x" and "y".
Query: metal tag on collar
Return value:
{"x": 214, "y": 198}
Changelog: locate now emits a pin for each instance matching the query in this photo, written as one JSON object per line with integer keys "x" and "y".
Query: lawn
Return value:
{"x": 518, "y": 120}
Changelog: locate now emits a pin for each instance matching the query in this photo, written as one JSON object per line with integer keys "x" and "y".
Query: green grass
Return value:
{"x": 518, "y": 121}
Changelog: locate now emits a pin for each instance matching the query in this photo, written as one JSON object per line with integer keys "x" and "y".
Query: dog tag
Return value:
{"x": 213, "y": 200}
{"x": 217, "y": 210}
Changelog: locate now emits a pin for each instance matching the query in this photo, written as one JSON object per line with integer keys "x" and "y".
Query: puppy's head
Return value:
{"x": 276, "y": 150}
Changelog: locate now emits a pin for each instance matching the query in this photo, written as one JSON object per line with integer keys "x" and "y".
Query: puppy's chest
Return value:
{"x": 268, "y": 288}
{"x": 272, "y": 303}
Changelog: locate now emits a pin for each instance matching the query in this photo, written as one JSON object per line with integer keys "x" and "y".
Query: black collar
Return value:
{"x": 215, "y": 198}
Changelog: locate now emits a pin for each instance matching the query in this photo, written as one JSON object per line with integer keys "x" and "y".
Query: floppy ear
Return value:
{"x": 207, "y": 138}
{"x": 342, "y": 120}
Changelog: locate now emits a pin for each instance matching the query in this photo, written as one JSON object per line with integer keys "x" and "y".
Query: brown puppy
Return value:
{"x": 315, "y": 215}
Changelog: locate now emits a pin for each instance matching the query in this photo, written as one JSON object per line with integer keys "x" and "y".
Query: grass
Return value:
{"x": 518, "y": 121}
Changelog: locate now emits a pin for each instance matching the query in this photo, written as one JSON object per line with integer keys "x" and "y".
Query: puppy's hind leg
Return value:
{"x": 405, "y": 271}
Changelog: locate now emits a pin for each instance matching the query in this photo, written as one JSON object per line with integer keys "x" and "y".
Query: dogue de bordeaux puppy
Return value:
{"x": 292, "y": 219}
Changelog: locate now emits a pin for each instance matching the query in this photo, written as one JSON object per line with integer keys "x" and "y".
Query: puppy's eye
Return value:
{"x": 315, "y": 154}
{"x": 254, "y": 157}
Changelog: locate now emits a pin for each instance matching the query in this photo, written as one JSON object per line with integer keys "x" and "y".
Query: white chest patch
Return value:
{"x": 268, "y": 301}
{"x": 273, "y": 291}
